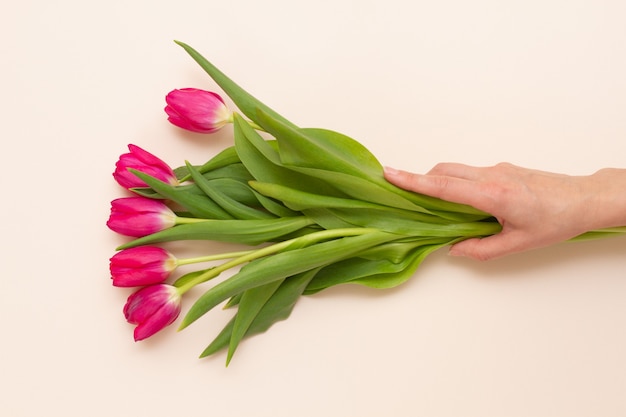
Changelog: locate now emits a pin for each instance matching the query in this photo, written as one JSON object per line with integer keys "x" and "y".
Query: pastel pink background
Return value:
{"x": 536, "y": 83}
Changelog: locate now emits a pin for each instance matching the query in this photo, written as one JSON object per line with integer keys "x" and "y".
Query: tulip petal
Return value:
{"x": 152, "y": 308}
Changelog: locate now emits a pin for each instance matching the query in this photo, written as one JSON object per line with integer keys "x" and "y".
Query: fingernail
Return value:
{"x": 454, "y": 252}
{"x": 391, "y": 171}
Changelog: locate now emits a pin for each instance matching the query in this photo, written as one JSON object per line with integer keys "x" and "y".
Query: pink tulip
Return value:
{"x": 139, "y": 216}
{"x": 143, "y": 265}
{"x": 152, "y": 308}
{"x": 145, "y": 162}
{"x": 197, "y": 110}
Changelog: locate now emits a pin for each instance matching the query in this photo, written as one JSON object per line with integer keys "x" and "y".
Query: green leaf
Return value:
{"x": 147, "y": 192}
{"x": 184, "y": 279}
{"x": 393, "y": 279}
{"x": 245, "y": 101}
{"x": 320, "y": 149}
{"x": 251, "y": 232}
{"x": 185, "y": 188}
{"x": 360, "y": 189}
{"x": 326, "y": 219}
{"x": 263, "y": 161}
{"x": 224, "y": 158}
{"x": 275, "y": 207}
{"x": 375, "y": 272}
{"x": 281, "y": 265}
{"x": 250, "y": 304}
{"x": 301, "y": 200}
{"x": 233, "y": 301}
{"x": 396, "y": 251}
{"x": 199, "y": 205}
{"x": 236, "y": 172}
{"x": 277, "y": 308}
{"x": 409, "y": 226}
{"x": 229, "y": 205}
{"x": 235, "y": 190}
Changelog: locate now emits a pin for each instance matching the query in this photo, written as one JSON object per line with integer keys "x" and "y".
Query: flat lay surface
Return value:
{"x": 538, "y": 84}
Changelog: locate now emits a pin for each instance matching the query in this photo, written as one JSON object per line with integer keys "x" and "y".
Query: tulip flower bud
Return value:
{"x": 142, "y": 161}
{"x": 139, "y": 216}
{"x": 152, "y": 308}
{"x": 197, "y": 110}
{"x": 143, "y": 265}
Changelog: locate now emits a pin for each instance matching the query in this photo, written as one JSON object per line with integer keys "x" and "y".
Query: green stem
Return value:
{"x": 294, "y": 243}
{"x": 601, "y": 233}
{"x": 189, "y": 220}
{"x": 215, "y": 257}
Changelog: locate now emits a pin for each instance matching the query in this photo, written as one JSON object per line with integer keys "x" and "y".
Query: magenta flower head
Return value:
{"x": 139, "y": 216}
{"x": 140, "y": 266}
{"x": 152, "y": 308}
{"x": 142, "y": 161}
{"x": 197, "y": 110}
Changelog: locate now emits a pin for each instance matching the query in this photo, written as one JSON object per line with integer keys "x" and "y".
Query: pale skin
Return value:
{"x": 535, "y": 208}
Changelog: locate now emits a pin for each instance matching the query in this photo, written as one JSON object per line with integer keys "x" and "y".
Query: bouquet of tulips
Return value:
{"x": 311, "y": 204}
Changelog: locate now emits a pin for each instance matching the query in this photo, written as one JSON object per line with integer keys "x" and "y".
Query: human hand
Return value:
{"x": 535, "y": 208}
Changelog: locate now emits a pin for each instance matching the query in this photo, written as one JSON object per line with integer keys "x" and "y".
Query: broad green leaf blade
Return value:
{"x": 250, "y": 232}
{"x": 233, "y": 301}
{"x": 380, "y": 265}
{"x": 410, "y": 227}
{"x": 301, "y": 200}
{"x": 150, "y": 193}
{"x": 275, "y": 207}
{"x": 199, "y": 205}
{"x": 352, "y": 151}
{"x": 244, "y": 100}
{"x": 321, "y": 149}
{"x": 360, "y": 188}
{"x": 236, "y": 190}
{"x": 281, "y": 265}
{"x": 398, "y": 250}
{"x": 230, "y": 206}
{"x": 147, "y": 192}
{"x": 349, "y": 270}
{"x": 393, "y": 279}
{"x": 190, "y": 276}
{"x": 224, "y": 158}
{"x": 235, "y": 172}
{"x": 277, "y": 308}
{"x": 263, "y": 161}
{"x": 326, "y": 219}
{"x": 250, "y": 304}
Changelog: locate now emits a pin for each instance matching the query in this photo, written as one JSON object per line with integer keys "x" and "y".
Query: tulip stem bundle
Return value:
{"x": 314, "y": 200}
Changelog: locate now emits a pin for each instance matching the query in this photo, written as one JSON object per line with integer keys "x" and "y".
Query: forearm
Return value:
{"x": 606, "y": 202}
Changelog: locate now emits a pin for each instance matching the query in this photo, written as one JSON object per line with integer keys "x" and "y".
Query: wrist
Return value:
{"x": 606, "y": 189}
